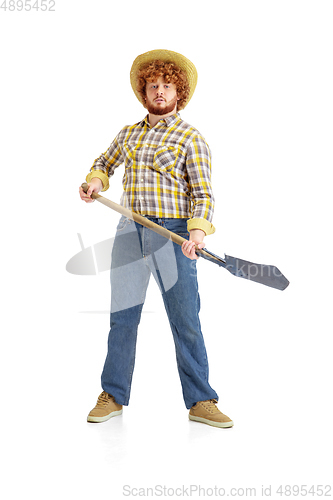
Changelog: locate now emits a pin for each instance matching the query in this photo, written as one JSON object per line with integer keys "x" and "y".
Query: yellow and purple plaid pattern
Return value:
{"x": 167, "y": 171}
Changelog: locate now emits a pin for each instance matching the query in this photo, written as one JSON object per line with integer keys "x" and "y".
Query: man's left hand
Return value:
{"x": 196, "y": 238}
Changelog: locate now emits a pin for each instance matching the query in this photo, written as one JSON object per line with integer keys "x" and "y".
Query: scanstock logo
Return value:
{"x": 134, "y": 266}
{"x": 91, "y": 260}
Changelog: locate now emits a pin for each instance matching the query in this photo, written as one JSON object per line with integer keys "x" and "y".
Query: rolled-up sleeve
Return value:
{"x": 105, "y": 165}
{"x": 198, "y": 165}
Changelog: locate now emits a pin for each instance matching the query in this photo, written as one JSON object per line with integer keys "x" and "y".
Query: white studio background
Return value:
{"x": 264, "y": 104}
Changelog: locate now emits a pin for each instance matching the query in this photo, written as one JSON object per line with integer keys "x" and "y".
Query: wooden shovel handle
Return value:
{"x": 148, "y": 223}
{"x": 136, "y": 217}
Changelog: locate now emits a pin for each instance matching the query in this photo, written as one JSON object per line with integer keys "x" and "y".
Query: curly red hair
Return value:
{"x": 171, "y": 74}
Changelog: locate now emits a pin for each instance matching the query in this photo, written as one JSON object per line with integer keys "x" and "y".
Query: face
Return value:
{"x": 161, "y": 97}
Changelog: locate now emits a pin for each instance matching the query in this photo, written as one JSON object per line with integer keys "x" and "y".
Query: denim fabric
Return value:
{"x": 137, "y": 253}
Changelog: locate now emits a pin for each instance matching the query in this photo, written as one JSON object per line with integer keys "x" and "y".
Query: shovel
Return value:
{"x": 260, "y": 273}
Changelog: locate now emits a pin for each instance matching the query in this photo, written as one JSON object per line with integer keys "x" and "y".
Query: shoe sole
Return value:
{"x": 211, "y": 422}
{"x": 103, "y": 419}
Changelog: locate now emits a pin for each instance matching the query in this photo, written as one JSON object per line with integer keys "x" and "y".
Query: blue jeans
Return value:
{"x": 137, "y": 253}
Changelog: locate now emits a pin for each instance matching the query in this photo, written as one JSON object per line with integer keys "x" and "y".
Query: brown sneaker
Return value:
{"x": 105, "y": 408}
{"x": 208, "y": 413}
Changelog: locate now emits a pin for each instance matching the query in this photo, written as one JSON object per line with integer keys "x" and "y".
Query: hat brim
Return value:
{"x": 166, "y": 56}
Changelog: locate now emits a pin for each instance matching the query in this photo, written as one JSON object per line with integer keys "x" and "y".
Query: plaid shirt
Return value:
{"x": 167, "y": 171}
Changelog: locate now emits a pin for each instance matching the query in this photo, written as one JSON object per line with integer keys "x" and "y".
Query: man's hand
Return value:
{"x": 196, "y": 238}
{"x": 95, "y": 186}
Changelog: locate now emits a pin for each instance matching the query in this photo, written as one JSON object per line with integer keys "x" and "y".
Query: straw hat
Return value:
{"x": 167, "y": 56}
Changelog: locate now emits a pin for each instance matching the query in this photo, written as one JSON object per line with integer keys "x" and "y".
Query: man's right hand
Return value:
{"x": 95, "y": 186}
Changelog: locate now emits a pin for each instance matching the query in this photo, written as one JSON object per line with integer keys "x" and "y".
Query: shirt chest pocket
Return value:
{"x": 129, "y": 154}
{"x": 165, "y": 158}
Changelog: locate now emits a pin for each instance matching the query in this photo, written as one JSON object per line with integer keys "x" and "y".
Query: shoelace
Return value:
{"x": 103, "y": 399}
{"x": 211, "y": 404}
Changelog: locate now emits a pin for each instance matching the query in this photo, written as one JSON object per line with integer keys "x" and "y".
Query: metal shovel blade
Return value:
{"x": 265, "y": 275}
{"x": 261, "y": 273}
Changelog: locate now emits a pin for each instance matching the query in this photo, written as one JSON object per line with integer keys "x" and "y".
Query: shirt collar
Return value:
{"x": 169, "y": 120}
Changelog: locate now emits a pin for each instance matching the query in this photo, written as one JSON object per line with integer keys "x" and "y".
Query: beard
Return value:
{"x": 157, "y": 110}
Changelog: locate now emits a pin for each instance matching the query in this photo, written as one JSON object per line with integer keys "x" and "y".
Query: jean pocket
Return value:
{"x": 123, "y": 223}
{"x": 186, "y": 235}
{"x": 178, "y": 226}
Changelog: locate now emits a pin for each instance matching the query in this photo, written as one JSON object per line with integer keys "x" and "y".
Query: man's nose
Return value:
{"x": 159, "y": 89}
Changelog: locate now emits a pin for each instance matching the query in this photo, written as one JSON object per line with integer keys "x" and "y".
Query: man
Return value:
{"x": 168, "y": 180}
